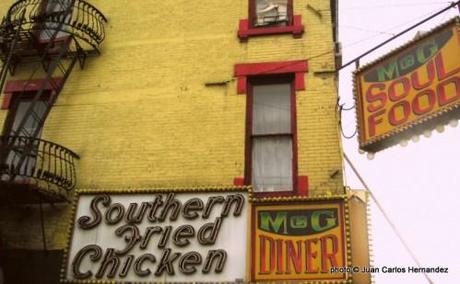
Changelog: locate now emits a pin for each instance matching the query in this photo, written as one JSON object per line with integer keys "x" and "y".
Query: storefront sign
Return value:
{"x": 169, "y": 236}
{"x": 412, "y": 89}
{"x": 301, "y": 241}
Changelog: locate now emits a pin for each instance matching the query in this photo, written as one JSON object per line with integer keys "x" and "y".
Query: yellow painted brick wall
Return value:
{"x": 141, "y": 116}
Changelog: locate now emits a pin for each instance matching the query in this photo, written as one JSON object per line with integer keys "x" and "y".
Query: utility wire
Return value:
{"x": 452, "y": 5}
{"x": 414, "y": 4}
{"x": 387, "y": 218}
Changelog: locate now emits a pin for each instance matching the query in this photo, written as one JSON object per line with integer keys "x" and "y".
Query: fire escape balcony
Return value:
{"x": 58, "y": 34}
{"x": 85, "y": 23}
{"x": 48, "y": 173}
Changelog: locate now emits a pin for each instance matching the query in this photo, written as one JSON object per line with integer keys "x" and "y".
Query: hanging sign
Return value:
{"x": 168, "y": 236}
{"x": 300, "y": 241}
{"x": 412, "y": 89}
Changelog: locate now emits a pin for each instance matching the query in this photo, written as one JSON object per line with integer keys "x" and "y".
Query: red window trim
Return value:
{"x": 296, "y": 29}
{"x": 297, "y": 67}
{"x": 19, "y": 86}
{"x": 299, "y": 183}
{"x": 247, "y": 28}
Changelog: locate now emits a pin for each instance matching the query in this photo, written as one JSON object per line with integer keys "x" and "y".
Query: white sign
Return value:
{"x": 159, "y": 237}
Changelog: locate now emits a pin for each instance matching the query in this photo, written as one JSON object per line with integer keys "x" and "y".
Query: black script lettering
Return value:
{"x": 130, "y": 214}
{"x": 188, "y": 262}
{"x": 138, "y": 264}
{"x": 110, "y": 259}
{"x": 85, "y": 222}
{"x": 155, "y": 205}
{"x": 211, "y": 202}
{"x": 171, "y": 204}
{"x": 220, "y": 256}
{"x": 131, "y": 239}
{"x": 119, "y": 211}
{"x": 124, "y": 271}
{"x": 166, "y": 262}
{"x": 164, "y": 238}
{"x": 181, "y": 234}
{"x": 192, "y": 205}
{"x": 94, "y": 252}
{"x": 238, "y": 199}
{"x": 148, "y": 235}
{"x": 208, "y": 233}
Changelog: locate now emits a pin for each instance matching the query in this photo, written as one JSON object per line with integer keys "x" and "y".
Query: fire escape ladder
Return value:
{"x": 6, "y": 66}
{"x": 58, "y": 59}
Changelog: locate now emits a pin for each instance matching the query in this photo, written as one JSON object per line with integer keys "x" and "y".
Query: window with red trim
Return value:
{"x": 264, "y": 13}
{"x": 19, "y": 106}
{"x": 268, "y": 17}
{"x": 271, "y": 154}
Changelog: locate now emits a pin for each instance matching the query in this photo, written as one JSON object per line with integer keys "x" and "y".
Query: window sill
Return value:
{"x": 296, "y": 29}
{"x": 302, "y": 189}
{"x": 19, "y": 86}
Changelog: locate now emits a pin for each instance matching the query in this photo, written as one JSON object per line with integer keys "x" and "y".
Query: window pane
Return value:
{"x": 272, "y": 109}
{"x": 31, "y": 124}
{"x": 270, "y": 12}
{"x": 55, "y": 9}
{"x": 272, "y": 163}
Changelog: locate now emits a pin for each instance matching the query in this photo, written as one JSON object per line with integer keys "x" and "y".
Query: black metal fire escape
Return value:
{"x": 56, "y": 38}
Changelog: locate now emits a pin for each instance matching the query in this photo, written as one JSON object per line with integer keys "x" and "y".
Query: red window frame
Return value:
{"x": 269, "y": 80}
{"x": 246, "y": 71}
{"x": 15, "y": 87}
{"x": 248, "y": 29}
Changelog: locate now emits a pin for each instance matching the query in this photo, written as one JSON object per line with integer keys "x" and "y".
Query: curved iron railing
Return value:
{"x": 48, "y": 162}
{"x": 85, "y": 21}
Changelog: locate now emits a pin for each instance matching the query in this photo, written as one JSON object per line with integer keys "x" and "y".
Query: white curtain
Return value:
{"x": 272, "y": 163}
{"x": 271, "y": 12}
{"x": 271, "y": 139}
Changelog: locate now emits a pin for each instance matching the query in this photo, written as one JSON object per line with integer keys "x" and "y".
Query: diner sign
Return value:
{"x": 171, "y": 236}
{"x": 410, "y": 90}
{"x": 300, "y": 242}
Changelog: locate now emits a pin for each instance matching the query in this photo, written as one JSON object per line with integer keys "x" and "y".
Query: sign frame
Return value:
{"x": 296, "y": 201}
{"x": 407, "y": 129}
{"x": 159, "y": 190}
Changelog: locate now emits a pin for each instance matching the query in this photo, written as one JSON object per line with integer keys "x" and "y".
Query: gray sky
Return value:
{"x": 418, "y": 185}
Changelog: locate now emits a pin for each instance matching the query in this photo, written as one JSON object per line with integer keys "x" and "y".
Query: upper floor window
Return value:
{"x": 271, "y": 135}
{"x": 269, "y": 17}
{"x": 271, "y": 164}
{"x": 270, "y": 12}
{"x": 16, "y": 114}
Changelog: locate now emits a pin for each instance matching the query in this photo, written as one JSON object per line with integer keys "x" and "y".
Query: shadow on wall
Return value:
{"x": 22, "y": 266}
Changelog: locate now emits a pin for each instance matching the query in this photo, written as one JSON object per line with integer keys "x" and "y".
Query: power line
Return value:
{"x": 366, "y": 30}
{"x": 452, "y": 5}
{"x": 414, "y": 4}
{"x": 385, "y": 215}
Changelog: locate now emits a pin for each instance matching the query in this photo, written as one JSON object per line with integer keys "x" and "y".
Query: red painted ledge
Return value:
{"x": 296, "y": 29}
{"x": 297, "y": 67}
{"x": 18, "y": 86}
{"x": 302, "y": 188}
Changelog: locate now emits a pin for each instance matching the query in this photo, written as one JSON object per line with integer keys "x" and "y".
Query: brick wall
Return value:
{"x": 141, "y": 116}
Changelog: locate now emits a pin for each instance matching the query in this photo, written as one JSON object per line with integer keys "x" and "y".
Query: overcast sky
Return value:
{"x": 417, "y": 184}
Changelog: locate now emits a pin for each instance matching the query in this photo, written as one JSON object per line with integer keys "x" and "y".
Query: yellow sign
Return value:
{"x": 409, "y": 90}
{"x": 300, "y": 241}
